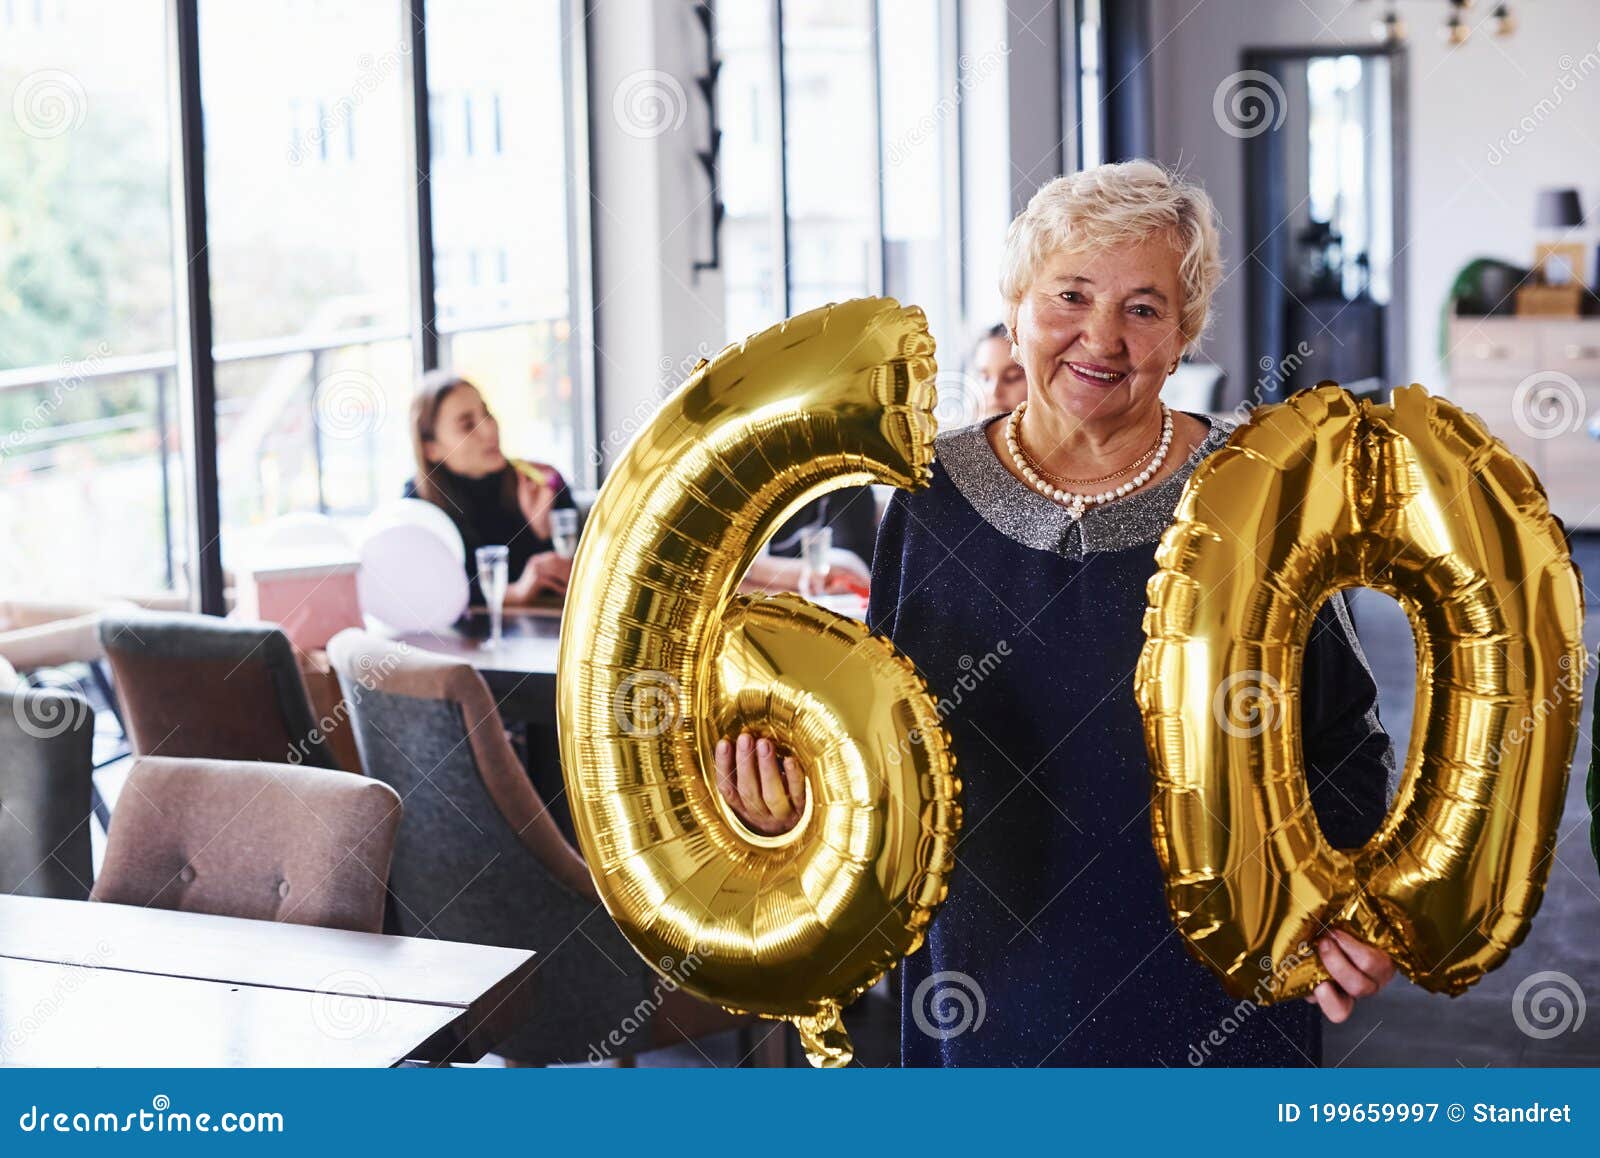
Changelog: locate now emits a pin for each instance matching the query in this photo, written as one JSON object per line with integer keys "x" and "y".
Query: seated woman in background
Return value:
{"x": 852, "y": 515}
{"x": 462, "y": 471}
{"x": 1004, "y": 381}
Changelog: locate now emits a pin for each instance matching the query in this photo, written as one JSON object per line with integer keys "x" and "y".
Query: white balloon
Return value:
{"x": 410, "y": 579}
{"x": 304, "y": 534}
{"x": 418, "y": 513}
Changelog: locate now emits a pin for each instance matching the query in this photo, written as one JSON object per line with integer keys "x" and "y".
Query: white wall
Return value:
{"x": 987, "y": 172}
{"x": 653, "y": 316}
{"x": 1011, "y": 61}
{"x": 1471, "y": 185}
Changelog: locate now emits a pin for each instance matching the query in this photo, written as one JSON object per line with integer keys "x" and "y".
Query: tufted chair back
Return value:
{"x": 272, "y": 842}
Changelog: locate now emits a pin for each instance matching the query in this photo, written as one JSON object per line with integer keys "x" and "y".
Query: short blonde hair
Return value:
{"x": 1110, "y": 204}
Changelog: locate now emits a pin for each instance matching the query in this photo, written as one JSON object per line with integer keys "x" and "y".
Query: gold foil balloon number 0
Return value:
{"x": 659, "y": 658}
{"x": 1415, "y": 499}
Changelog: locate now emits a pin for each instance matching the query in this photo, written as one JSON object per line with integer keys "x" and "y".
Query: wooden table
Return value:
{"x": 521, "y": 672}
{"x": 89, "y": 984}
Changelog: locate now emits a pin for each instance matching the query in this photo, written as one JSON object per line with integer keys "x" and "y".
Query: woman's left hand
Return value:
{"x": 1357, "y": 969}
{"x": 847, "y": 575}
{"x": 536, "y": 500}
{"x": 546, "y": 571}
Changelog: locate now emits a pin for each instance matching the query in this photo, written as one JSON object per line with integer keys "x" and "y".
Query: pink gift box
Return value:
{"x": 311, "y": 600}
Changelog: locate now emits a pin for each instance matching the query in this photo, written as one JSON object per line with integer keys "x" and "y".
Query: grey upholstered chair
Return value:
{"x": 219, "y": 689}
{"x": 46, "y": 744}
{"x": 271, "y": 842}
{"x": 479, "y": 859}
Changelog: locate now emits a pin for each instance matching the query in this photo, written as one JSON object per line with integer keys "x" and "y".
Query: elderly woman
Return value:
{"x": 1031, "y": 548}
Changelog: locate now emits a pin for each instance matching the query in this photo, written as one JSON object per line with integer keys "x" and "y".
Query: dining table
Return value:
{"x": 520, "y": 669}
{"x": 90, "y": 984}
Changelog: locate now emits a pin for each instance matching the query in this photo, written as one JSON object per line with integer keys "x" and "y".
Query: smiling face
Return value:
{"x": 466, "y": 437}
{"x": 1098, "y": 330}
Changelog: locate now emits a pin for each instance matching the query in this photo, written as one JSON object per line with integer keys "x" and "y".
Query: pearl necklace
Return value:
{"x": 1070, "y": 483}
{"x": 1075, "y": 503}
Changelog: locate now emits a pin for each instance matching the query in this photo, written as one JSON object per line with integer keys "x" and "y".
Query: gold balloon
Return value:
{"x": 659, "y": 658}
{"x": 1418, "y": 500}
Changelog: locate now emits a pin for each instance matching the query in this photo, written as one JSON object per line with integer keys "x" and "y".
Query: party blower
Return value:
{"x": 1416, "y": 499}
{"x": 660, "y": 658}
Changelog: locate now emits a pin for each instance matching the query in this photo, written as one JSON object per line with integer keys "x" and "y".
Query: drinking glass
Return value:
{"x": 564, "y": 531}
{"x": 493, "y": 565}
{"x": 816, "y": 545}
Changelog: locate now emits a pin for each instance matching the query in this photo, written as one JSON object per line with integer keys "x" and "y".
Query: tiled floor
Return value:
{"x": 1405, "y": 1025}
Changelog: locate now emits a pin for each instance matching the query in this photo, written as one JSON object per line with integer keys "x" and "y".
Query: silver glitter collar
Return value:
{"x": 1019, "y": 512}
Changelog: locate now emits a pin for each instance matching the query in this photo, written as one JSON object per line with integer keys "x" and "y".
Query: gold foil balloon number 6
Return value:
{"x": 1415, "y": 499}
{"x": 660, "y": 658}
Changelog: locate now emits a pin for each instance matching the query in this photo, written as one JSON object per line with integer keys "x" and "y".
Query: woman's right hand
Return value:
{"x": 536, "y": 498}
{"x": 767, "y": 797}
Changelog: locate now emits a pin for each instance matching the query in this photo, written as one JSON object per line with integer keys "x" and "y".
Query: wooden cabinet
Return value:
{"x": 1535, "y": 382}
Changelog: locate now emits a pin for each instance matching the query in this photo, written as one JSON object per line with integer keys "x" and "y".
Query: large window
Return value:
{"x": 1091, "y": 86}
{"x": 753, "y": 230}
{"x": 830, "y": 138}
{"x": 88, "y": 394}
{"x": 846, "y": 185}
{"x": 307, "y": 212}
{"x": 921, "y": 94}
{"x": 313, "y": 193}
{"x": 501, "y": 218}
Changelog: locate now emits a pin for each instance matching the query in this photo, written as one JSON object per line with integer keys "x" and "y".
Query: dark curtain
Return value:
{"x": 1266, "y": 207}
{"x": 1126, "y": 69}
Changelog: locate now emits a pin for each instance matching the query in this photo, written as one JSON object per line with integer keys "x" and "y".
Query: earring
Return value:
{"x": 1173, "y": 369}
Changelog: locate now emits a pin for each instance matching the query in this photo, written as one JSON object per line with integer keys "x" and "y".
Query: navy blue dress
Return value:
{"x": 1055, "y": 946}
